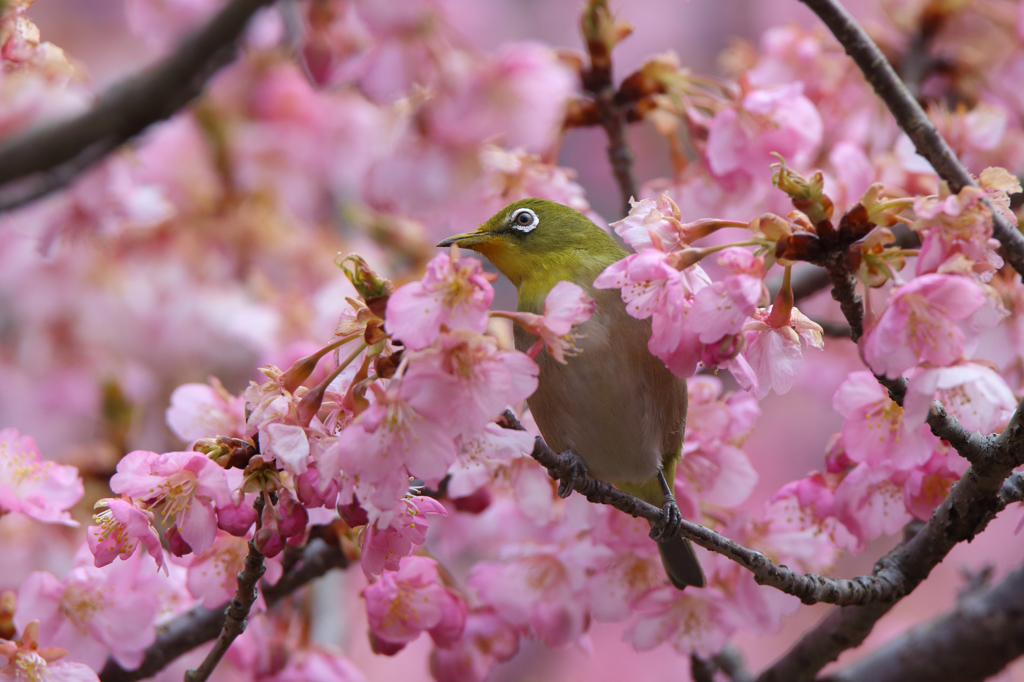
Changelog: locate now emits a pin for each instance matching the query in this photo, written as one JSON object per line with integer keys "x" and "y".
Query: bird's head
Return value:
{"x": 537, "y": 243}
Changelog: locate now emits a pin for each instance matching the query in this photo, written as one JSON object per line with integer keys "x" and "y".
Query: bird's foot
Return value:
{"x": 572, "y": 470}
{"x": 671, "y": 521}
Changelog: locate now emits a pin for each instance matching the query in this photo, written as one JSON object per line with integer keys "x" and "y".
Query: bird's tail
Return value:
{"x": 681, "y": 563}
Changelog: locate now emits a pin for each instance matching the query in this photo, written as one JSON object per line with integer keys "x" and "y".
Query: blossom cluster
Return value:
{"x": 373, "y": 425}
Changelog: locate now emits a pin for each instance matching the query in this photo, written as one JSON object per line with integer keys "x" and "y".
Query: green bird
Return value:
{"x": 615, "y": 406}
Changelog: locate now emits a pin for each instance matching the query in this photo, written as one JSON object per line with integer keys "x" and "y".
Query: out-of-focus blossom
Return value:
{"x": 541, "y": 589}
{"x": 780, "y": 120}
{"x": 690, "y": 621}
{"x": 565, "y": 307}
{"x": 518, "y": 95}
{"x": 212, "y": 573}
{"x": 205, "y": 411}
{"x": 25, "y": 661}
{"x": 33, "y": 486}
{"x": 404, "y": 603}
{"x": 316, "y": 664}
{"x": 187, "y": 486}
{"x": 454, "y": 292}
{"x": 486, "y": 639}
{"x": 95, "y": 612}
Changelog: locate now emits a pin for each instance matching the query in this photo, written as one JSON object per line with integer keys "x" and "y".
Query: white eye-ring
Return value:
{"x": 523, "y": 219}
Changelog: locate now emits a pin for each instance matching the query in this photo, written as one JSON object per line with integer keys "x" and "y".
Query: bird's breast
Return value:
{"x": 613, "y": 404}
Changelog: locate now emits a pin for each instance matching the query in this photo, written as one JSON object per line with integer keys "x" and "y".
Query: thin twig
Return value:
{"x": 237, "y": 612}
{"x": 200, "y": 625}
{"x": 239, "y": 607}
{"x": 971, "y": 503}
{"x": 977, "y": 639}
{"x": 911, "y": 117}
{"x": 44, "y": 160}
{"x": 613, "y": 116}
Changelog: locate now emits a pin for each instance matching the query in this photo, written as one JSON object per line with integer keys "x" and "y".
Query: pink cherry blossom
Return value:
{"x": 541, "y": 589}
{"x": 722, "y": 308}
{"x": 518, "y": 95}
{"x": 237, "y": 519}
{"x": 212, "y": 573}
{"x": 651, "y": 221}
{"x": 780, "y": 120}
{"x": 613, "y": 591}
{"x": 801, "y": 525}
{"x": 919, "y": 324}
{"x": 927, "y": 486}
{"x": 95, "y": 612}
{"x": 691, "y": 621}
{"x": 973, "y": 393}
{"x": 455, "y": 292}
{"x": 285, "y": 519}
{"x": 121, "y": 525}
{"x": 384, "y": 547}
{"x": 311, "y": 663}
{"x": 404, "y": 603}
{"x": 565, "y": 307}
{"x": 652, "y": 287}
{"x": 869, "y": 503}
{"x": 205, "y": 411}
{"x": 876, "y": 428}
{"x": 35, "y": 487}
{"x": 486, "y": 639}
{"x": 186, "y": 486}
{"x": 776, "y": 352}
{"x": 464, "y": 381}
{"x": 650, "y": 283}
{"x": 25, "y": 661}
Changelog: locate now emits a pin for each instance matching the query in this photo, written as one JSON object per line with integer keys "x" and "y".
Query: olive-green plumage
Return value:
{"x": 614, "y": 404}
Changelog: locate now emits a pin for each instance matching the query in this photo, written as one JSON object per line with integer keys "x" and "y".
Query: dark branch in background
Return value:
{"x": 728, "y": 660}
{"x": 977, "y": 639}
{"x": 965, "y": 512}
{"x": 235, "y": 615}
{"x": 612, "y": 113}
{"x": 911, "y": 117}
{"x": 201, "y": 625}
{"x": 44, "y": 160}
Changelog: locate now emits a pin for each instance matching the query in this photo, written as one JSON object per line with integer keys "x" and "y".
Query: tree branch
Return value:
{"x": 200, "y": 625}
{"x": 911, "y": 117}
{"x": 598, "y": 27}
{"x": 978, "y": 638}
{"x": 972, "y": 502}
{"x": 236, "y": 613}
{"x": 44, "y": 160}
{"x": 970, "y": 505}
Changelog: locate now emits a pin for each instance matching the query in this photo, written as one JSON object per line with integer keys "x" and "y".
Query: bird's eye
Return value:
{"x": 524, "y": 220}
